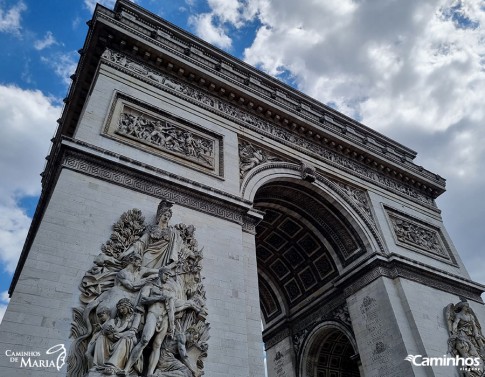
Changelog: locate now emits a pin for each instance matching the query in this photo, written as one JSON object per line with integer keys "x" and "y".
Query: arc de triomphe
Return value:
{"x": 236, "y": 201}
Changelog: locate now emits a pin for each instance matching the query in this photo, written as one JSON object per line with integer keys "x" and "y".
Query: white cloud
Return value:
{"x": 47, "y": 41}
{"x": 10, "y": 18}
{"x": 64, "y": 65}
{"x": 28, "y": 123}
{"x": 207, "y": 30}
{"x": 4, "y": 300}
{"x": 212, "y": 26}
{"x": 91, "y": 4}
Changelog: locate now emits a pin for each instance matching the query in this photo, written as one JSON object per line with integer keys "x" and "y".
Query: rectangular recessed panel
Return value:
{"x": 290, "y": 228}
{"x": 307, "y": 278}
{"x": 293, "y": 257}
{"x": 280, "y": 269}
{"x": 293, "y": 290}
{"x": 308, "y": 244}
{"x": 275, "y": 241}
{"x": 155, "y": 131}
{"x": 323, "y": 266}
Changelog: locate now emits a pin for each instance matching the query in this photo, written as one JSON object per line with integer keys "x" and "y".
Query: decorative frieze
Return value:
{"x": 185, "y": 47}
{"x": 434, "y": 279}
{"x": 304, "y": 327}
{"x": 267, "y": 128}
{"x": 419, "y": 236}
{"x": 359, "y": 197}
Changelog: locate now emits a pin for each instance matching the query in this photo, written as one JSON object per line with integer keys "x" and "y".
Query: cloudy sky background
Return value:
{"x": 413, "y": 70}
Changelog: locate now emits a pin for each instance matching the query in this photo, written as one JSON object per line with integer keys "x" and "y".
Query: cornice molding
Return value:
{"x": 229, "y": 111}
{"x": 161, "y": 185}
{"x": 392, "y": 269}
{"x": 190, "y": 47}
{"x": 120, "y": 175}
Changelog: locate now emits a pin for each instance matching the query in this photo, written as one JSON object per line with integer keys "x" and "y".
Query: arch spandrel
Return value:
{"x": 351, "y": 201}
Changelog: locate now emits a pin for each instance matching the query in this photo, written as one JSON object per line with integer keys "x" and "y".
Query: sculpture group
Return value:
{"x": 143, "y": 303}
{"x": 166, "y": 136}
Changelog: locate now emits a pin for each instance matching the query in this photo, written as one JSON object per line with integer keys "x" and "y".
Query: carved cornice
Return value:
{"x": 328, "y": 307}
{"x": 275, "y": 339}
{"x": 162, "y": 45}
{"x": 116, "y": 173}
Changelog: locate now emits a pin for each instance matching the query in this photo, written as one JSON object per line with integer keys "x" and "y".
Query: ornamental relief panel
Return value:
{"x": 157, "y": 132}
{"x": 417, "y": 235}
{"x": 339, "y": 314}
{"x": 143, "y": 305}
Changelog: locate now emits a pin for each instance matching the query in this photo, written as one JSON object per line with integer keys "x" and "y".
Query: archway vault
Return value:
{"x": 302, "y": 245}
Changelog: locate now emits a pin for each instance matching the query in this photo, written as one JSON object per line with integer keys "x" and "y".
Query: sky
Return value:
{"x": 413, "y": 70}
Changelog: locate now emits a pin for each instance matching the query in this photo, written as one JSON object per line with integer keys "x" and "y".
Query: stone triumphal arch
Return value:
{"x": 189, "y": 199}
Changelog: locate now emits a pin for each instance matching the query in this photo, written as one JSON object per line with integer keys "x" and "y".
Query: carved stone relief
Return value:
{"x": 359, "y": 197}
{"x": 377, "y": 337}
{"x": 466, "y": 339}
{"x": 166, "y": 136}
{"x": 251, "y": 156}
{"x": 143, "y": 306}
{"x": 138, "y": 124}
{"x": 308, "y": 172}
{"x": 418, "y": 235}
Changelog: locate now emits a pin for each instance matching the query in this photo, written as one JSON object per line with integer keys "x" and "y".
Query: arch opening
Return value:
{"x": 330, "y": 353}
{"x": 304, "y": 242}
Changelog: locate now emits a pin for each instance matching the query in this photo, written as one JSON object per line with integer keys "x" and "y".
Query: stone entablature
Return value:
{"x": 99, "y": 163}
{"x": 163, "y": 46}
{"x": 354, "y": 165}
